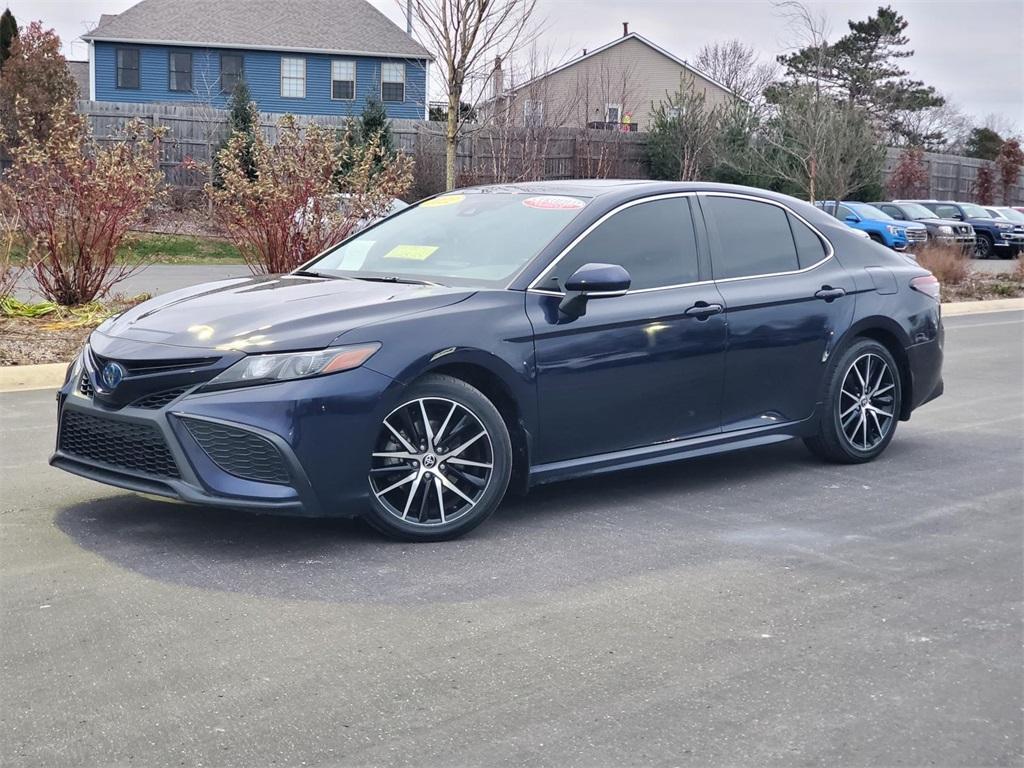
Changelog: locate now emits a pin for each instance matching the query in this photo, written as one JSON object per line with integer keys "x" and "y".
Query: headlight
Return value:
{"x": 945, "y": 229}
{"x": 893, "y": 230}
{"x": 1003, "y": 226}
{"x": 265, "y": 369}
{"x": 75, "y": 368}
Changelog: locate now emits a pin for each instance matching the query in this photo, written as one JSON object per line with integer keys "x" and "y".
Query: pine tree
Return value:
{"x": 8, "y": 31}
{"x": 983, "y": 143}
{"x": 244, "y": 119}
{"x": 374, "y": 122}
{"x": 863, "y": 67}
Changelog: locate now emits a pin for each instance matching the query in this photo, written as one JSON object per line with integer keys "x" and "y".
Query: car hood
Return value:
{"x": 274, "y": 312}
{"x": 907, "y": 224}
{"x": 943, "y": 222}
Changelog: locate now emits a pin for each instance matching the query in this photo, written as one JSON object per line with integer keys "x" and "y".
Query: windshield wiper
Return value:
{"x": 312, "y": 273}
{"x": 396, "y": 279}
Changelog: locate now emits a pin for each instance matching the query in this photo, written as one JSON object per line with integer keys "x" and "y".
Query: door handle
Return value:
{"x": 828, "y": 293}
{"x": 702, "y": 310}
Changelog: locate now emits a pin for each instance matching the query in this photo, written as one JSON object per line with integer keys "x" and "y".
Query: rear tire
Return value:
{"x": 441, "y": 463}
{"x": 863, "y": 397}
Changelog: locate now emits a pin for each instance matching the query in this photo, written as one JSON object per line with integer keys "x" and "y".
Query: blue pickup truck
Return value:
{"x": 995, "y": 237}
{"x": 878, "y": 225}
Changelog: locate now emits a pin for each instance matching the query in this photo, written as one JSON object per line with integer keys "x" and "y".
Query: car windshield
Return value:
{"x": 1012, "y": 215}
{"x": 975, "y": 211}
{"x": 916, "y": 211}
{"x": 471, "y": 239}
{"x": 866, "y": 211}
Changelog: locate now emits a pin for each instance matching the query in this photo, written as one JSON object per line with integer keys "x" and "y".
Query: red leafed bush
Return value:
{"x": 1009, "y": 162}
{"x": 910, "y": 176}
{"x": 76, "y": 200}
{"x": 280, "y": 204}
{"x": 985, "y": 185}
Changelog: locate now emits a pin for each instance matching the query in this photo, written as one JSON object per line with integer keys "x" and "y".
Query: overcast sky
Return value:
{"x": 972, "y": 51}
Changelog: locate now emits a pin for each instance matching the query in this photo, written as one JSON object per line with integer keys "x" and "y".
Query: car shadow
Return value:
{"x": 565, "y": 534}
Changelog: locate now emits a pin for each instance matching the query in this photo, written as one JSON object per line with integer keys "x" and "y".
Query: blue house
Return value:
{"x": 309, "y": 57}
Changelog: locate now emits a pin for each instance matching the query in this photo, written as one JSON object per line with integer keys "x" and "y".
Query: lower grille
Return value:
{"x": 121, "y": 444}
{"x": 240, "y": 452}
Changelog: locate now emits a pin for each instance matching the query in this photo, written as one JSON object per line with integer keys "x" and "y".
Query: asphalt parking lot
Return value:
{"x": 751, "y": 609}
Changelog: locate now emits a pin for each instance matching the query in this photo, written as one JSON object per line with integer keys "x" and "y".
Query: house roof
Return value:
{"x": 312, "y": 26}
{"x": 639, "y": 38}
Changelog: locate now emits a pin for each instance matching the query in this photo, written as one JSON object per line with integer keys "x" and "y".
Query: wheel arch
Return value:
{"x": 497, "y": 385}
{"x": 890, "y": 335}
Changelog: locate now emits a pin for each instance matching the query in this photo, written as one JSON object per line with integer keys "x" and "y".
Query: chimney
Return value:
{"x": 498, "y": 79}
{"x": 625, "y": 28}
{"x": 584, "y": 51}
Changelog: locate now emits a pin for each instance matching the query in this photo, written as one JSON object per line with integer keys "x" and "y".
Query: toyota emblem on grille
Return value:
{"x": 112, "y": 375}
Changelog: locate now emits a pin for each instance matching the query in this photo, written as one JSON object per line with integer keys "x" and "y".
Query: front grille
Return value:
{"x": 159, "y": 399}
{"x": 240, "y": 452}
{"x": 122, "y": 444}
{"x": 85, "y": 385}
{"x": 140, "y": 367}
{"x": 917, "y": 235}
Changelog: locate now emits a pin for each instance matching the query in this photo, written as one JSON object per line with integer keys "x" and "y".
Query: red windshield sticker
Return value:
{"x": 554, "y": 203}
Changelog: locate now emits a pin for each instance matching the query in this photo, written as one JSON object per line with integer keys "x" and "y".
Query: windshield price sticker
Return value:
{"x": 554, "y": 203}
{"x": 411, "y": 252}
{"x": 440, "y": 202}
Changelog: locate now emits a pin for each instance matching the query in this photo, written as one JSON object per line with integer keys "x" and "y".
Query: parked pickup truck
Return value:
{"x": 994, "y": 237}
{"x": 879, "y": 226}
{"x": 944, "y": 231}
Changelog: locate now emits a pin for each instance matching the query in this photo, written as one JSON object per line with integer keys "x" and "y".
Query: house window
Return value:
{"x": 392, "y": 82}
{"x": 613, "y": 113}
{"x": 533, "y": 112}
{"x": 127, "y": 67}
{"x": 232, "y": 71}
{"x": 180, "y": 72}
{"x": 343, "y": 80}
{"x": 293, "y": 78}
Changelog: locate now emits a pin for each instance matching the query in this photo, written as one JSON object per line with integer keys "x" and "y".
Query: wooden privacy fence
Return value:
{"x": 952, "y": 177}
{"x": 486, "y": 155}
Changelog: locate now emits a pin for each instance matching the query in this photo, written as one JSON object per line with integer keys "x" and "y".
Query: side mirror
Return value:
{"x": 851, "y": 220}
{"x": 593, "y": 281}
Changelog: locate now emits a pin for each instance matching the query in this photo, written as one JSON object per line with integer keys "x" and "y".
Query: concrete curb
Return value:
{"x": 954, "y": 308}
{"x": 18, "y": 378}
{"x": 15, "y": 378}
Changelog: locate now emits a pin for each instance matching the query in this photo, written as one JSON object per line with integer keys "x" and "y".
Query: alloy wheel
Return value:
{"x": 432, "y": 463}
{"x": 867, "y": 402}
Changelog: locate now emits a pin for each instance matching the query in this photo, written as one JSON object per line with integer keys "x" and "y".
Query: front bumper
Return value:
{"x": 302, "y": 447}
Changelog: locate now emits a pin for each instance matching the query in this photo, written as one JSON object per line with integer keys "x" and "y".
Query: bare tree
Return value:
{"x": 818, "y": 145}
{"x": 466, "y": 36}
{"x": 738, "y": 68}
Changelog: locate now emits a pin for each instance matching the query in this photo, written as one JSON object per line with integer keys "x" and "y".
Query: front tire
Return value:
{"x": 983, "y": 246}
{"x": 863, "y": 397}
{"x": 441, "y": 463}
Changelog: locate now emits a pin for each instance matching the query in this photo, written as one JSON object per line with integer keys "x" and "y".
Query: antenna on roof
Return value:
{"x": 408, "y": 17}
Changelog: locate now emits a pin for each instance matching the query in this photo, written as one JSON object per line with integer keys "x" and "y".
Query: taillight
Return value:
{"x": 928, "y": 285}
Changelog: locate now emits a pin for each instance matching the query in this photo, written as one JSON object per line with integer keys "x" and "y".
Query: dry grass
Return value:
{"x": 948, "y": 263}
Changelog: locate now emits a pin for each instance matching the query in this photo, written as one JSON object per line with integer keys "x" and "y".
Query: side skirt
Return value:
{"x": 674, "y": 450}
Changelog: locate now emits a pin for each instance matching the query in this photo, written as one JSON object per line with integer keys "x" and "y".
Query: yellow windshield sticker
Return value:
{"x": 411, "y": 252}
{"x": 439, "y": 202}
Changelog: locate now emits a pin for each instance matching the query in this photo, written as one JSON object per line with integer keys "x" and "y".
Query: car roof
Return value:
{"x": 598, "y": 188}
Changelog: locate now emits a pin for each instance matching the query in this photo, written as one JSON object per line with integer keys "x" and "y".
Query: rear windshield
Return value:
{"x": 476, "y": 238}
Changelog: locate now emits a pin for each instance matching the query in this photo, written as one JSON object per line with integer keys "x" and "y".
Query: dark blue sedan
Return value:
{"x": 497, "y": 338}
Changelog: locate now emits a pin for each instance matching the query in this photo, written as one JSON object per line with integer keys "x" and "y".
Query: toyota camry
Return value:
{"x": 492, "y": 339}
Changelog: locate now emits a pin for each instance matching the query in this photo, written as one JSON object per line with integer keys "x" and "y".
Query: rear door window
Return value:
{"x": 752, "y": 238}
{"x": 654, "y": 241}
{"x": 809, "y": 247}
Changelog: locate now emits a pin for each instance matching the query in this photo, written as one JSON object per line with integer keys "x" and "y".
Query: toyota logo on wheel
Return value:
{"x": 112, "y": 375}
